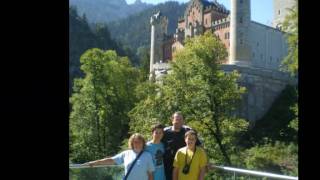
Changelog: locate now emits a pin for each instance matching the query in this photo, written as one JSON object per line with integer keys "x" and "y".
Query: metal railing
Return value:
{"x": 106, "y": 172}
{"x": 234, "y": 172}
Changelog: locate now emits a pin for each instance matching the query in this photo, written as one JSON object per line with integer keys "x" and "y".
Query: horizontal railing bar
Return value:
{"x": 256, "y": 173}
{"x": 243, "y": 171}
{"x": 79, "y": 166}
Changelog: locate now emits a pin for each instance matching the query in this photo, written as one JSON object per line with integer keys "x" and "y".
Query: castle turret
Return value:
{"x": 159, "y": 25}
{"x": 240, "y": 50}
{"x": 280, "y": 10}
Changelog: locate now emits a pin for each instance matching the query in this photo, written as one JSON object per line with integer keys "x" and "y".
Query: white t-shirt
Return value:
{"x": 140, "y": 168}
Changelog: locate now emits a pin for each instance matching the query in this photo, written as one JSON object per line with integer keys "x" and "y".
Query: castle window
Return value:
{"x": 240, "y": 19}
{"x": 226, "y": 35}
{"x": 279, "y": 11}
{"x": 257, "y": 44}
{"x": 253, "y": 54}
{"x": 206, "y": 21}
{"x": 241, "y": 42}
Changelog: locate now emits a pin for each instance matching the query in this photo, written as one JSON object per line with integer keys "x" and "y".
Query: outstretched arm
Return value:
{"x": 105, "y": 161}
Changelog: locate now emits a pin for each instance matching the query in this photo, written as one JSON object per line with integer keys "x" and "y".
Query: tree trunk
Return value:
{"x": 218, "y": 135}
{"x": 219, "y": 141}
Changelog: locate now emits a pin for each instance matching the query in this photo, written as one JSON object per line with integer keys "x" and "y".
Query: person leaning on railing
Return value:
{"x": 142, "y": 168}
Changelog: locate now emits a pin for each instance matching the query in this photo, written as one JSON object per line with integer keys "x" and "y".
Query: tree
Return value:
{"x": 206, "y": 95}
{"x": 274, "y": 155}
{"x": 100, "y": 102}
{"x": 144, "y": 58}
{"x": 290, "y": 63}
{"x": 278, "y": 157}
{"x": 290, "y": 25}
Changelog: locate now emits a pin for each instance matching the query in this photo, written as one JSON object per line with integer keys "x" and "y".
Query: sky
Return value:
{"x": 261, "y": 10}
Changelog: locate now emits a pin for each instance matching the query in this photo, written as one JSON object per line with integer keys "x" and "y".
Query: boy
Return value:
{"x": 190, "y": 161}
{"x": 156, "y": 148}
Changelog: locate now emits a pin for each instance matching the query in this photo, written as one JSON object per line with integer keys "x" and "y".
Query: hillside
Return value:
{"x": 82, "y": 38}
{"x": 134, "y": 30}
{"x": 104, "y": 11}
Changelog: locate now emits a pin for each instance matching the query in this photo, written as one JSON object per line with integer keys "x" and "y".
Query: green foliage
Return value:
{"x": 278, "y": 157}
{"x": 144, "y": 56}
{"x": 294, "y": 123}
{"x": 196, "y": 86}
{"x": 100, "y": 103}
{"x": 290, "y": 25}
{"x": 82, "y": 38}
{"x": 272, "y": 144}
{"x": 274, "y": 125}
{"x": 108, "y": 173}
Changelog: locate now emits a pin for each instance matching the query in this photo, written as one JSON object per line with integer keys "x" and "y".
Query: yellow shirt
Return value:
{"x": 199, "y": 160}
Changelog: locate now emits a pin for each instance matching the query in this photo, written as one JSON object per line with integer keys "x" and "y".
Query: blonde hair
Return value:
{"x": 136, "y": 136}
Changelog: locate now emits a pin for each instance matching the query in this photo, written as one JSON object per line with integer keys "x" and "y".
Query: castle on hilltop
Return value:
{"x": 254, "y": 49}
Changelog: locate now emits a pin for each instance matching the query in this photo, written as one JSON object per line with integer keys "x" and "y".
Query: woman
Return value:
{"x": 143, "y": 167}
{"x": 190, "y": 161}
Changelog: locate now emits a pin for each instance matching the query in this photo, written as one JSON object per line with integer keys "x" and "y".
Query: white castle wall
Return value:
{"x": 268, "y": 46}
{"x": 263, "y": 87}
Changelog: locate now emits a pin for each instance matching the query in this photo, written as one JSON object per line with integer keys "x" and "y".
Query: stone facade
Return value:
{"x": 262, "y": 85}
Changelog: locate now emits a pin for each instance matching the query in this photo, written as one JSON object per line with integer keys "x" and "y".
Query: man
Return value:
{"x": 173, "y": 140}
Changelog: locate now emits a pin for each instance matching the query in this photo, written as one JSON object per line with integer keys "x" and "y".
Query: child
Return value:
{"x": 190, "y": 161}
{"x": 156, "y": 148}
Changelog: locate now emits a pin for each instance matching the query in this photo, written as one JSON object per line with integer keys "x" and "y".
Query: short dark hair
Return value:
{"x": 157, "y": 126}
{"x": 178, "y": 113}
{"x": 191, "y": 132}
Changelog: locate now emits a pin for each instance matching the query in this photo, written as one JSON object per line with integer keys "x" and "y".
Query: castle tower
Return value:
{"x": 159, "y": 25}
{"x": 280, "y": 10}
{"x": 240, "y": 51}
